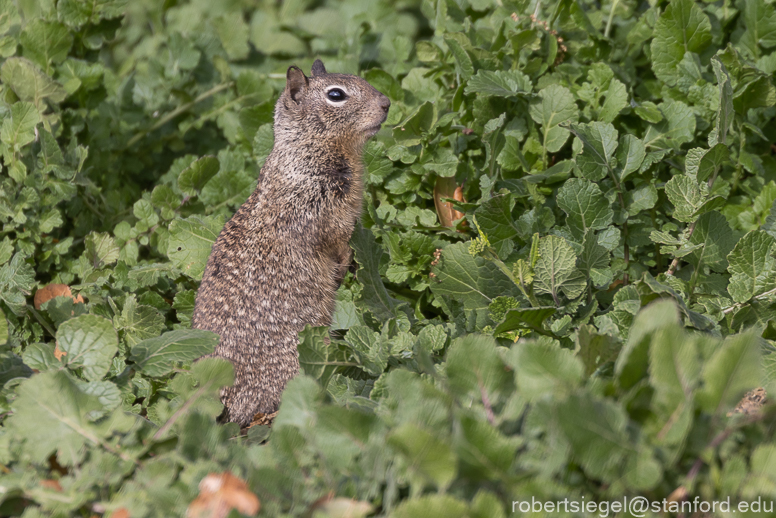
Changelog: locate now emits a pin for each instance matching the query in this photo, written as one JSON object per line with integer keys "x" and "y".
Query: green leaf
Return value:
{"x": 616, "y": 100}
{"x": 503, "y": 83}
{"x": 686, "y": 196}
{"x": 431, "y": 506}
{"x": 760, "y": 23}
{"x": 556, "y": 269}
{"x": 89, "y": 342}
{"x": 52, "y": 414}
{"x": 463, "y": 63}
{"x": 19, "y": 130}
{"x": 473, "y": 282}
{"x": 370, "y": 257}
{"x": 233, "y": 33}
{"x": 428, "y": 456}
{"x": 632, "y": 362}
{"x": 495, "y": 219}
{"x": 193, "y": 178}
{"x": 716, "y": 238}
{"x": 314, "y": 353}
{"x": 191, "y": 241}
{"x": 138, "y": 322}
{"x": 752, "y": 265}
{"x": 474, "y": 366}
{"x": 630, "y": 155}
{"x": 101, "y": 249}
{"x": 416, "y": 126}
{"x": 585, "y": 206}
{"x": 725, "y": 113}
{"x": 30, "y": 84}
{"x": 16, "y": 281}
{"x": 46, "y": 42}
{"x": 525, "y": 318}
{"x": 594, "y": 260}
{"x": 158, "y": 356}
{"x": 543, "y": 368}
{"x": 683, "y": 27}
{"x": 553, "y": 106}
{"x": 599, "y": 444}
{"x": 600, "y": 142}
{"x": 734, "y": 369}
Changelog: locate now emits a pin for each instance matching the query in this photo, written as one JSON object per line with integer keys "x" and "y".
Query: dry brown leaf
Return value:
{"x": 219, "y": 493}
{"x": 120, "y": 513}
{"x": 678, "y": 495}
{"x": 751, "y": 403}
{"x": 50, "y": 291}
{"x": 51, "y": 484}
{"x": 447, "y": 188}
{"x": 59, "y": 353}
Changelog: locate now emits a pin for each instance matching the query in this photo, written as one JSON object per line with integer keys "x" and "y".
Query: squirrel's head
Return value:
{"x": 335, "y": 106}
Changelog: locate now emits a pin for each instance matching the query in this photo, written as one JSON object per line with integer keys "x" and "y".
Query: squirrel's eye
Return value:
{"x": 336, "y": 95}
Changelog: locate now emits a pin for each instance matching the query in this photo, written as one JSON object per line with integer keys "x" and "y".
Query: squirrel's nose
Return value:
{"x": 385, "y": 103}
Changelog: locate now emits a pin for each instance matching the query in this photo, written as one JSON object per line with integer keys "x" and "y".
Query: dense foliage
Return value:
{"x": 601, "y": 157}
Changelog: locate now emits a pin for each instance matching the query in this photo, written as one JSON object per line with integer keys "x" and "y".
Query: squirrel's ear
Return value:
{"x": 296, "y": 83}
{"x": 318, "y": 68}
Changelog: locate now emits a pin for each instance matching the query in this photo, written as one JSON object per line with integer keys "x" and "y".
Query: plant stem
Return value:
{"x": 611, "y": 16}
{"x": 177, "y": 111}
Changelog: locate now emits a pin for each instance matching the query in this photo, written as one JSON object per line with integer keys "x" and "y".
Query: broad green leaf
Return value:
{"x": 427, "y": 455}
{"x": 370, "y": 257}
{"x": 158, "y": 356}
{"x": 431, "y": 506}
{"x": 543, "y": 368}
{"x": 585, "y": 206}
{"x": 734, "y": 369}
{"x": 369, "y": 348}
{"x": 594, "y": 260}
{"x": 314, "y": 353}
{"x": 16, "y": 281}
{"x": 89, "y": 342}
{"x": 683, "y": 27}
{"x": 472, "y": 282}
{"x": 632, "y": 362}
{"x": 474, "y": 366}
{"x": 299, "y": 404}
{"x": 752, "y": 265}
{"x": 19, "y": 129}
{"x": 233, "y": 33}
{"x": 685, "y": 195}
{"x": 495, "y": 219}
{"x": 706, "y": 163}
{"x": 600, "y": 142}
{"x": 191, "y": 241}
{"x": 760, "y": 23}
{"x": 502, "y": 83}
{"x": 716, "y": 238}
{"x": 640, "y": 198}
{"x": 416, "y": 126}
{"x": 193, "y": 178}
{"x": 598, "y": 444}
{"x": 30, "y": 84}
{"x": 674, "y": 372}
{"x": 676, "y": 128}
{"x": 138, "y": 322}
{"x": 595, "y": 349}
{"x": 525, "y": 318}
{"x": 630, "y": 155}
{"x": 616, "y": 100}
{"x": 556, "y": 269}
{"x": 46, "y": 42}
{"x": 463, "y": 63}
{"x": 52, "y": 414}
{"x": 101, "y": 249}
{"x": 553, "y": 106}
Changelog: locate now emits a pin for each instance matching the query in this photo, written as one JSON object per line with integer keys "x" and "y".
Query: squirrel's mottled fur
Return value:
{"x": 278, "y": 262}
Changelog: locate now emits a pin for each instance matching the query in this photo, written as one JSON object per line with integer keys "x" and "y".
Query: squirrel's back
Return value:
{"x": 278, "y": 262}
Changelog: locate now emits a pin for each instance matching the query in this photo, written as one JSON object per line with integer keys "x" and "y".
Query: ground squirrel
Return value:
{"x": 278, "y": 262}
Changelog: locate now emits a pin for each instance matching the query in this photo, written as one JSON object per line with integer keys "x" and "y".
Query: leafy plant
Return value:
{"x": 566, "y": 276}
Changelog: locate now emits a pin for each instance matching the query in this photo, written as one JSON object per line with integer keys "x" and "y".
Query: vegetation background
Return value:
{"x": 548, "y": 169}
